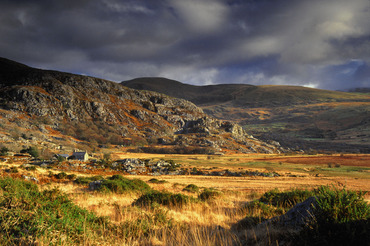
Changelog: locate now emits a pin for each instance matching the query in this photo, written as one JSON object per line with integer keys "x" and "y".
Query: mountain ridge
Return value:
{"x": 239, "y": 94}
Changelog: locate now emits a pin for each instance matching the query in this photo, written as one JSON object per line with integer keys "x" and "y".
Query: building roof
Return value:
{"x": 79, "y": 155}
{"x": 63, "y": 155}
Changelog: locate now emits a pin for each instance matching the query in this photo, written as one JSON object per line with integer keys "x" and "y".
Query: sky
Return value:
{"x": 317, "y": 43}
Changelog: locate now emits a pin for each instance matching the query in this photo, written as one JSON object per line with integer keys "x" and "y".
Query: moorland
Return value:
{"x": 167, "y": 171}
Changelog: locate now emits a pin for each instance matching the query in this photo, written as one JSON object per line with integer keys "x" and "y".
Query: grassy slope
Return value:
{"x": 279, "y": 111}
{"x": 243, "y": 94}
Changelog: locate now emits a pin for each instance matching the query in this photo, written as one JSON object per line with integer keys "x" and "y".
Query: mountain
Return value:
{"x": 295, "y": 116}
{"x": 243, "y": 95}
{"x": 60, "y": 108}
{"x": 360, "y": 90}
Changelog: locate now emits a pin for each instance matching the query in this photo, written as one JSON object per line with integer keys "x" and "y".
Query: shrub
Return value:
{"x": 29, "y": 168}
{"x": 341, "y": 217}
{"x": 173, "y": 166}
{"x": 61, "y": 175}
{"x": 33, "y": 151}
{"x": 12, "y": 170}
{"x": 264, "y": 210}
{"x": 191, "y": 188}
{"x": 209, "y": 195}
{"x": 4, "y": 151}
{"x": 71, "y": 176}
{"x": 26, "y": 214}
{"x": 285, "y": 199}
{"x": 340, "y": 206}
{"x": 157, "y": 181}
{"x": 119, "y": 184}
{"x": 60, "y": 158}
{"x": 87, "y": 180}
{"x": 163, "y": 198}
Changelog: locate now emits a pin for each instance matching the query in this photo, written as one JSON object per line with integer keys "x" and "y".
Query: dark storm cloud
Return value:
{"x": 321, "y": 43}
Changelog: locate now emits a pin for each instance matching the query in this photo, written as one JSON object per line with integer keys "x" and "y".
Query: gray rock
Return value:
{"x": 30, "y": 178}
{"x": 95, "y": 185}
{"x": 298, "y": 216}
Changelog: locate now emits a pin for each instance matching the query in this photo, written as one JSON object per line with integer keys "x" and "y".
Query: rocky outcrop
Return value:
{"x": 68, "y": 99}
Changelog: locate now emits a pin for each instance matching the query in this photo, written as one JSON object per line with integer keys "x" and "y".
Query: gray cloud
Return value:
{"x": 312, "y": 43}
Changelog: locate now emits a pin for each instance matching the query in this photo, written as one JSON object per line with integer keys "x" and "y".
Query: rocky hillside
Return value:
{"x": 297, "y": 117}
{"x": 100, "y": 112}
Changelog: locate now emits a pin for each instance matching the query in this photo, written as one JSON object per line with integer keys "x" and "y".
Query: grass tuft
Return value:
{"x": 163, "y": 198}
{"x": 191, "y": 188}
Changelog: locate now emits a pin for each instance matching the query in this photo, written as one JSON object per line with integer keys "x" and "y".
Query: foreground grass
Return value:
{"x": 28, "y": 215}
{"x": 143, "y": 215}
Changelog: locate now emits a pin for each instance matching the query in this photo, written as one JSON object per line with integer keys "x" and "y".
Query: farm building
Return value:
{"x": 81, "y": 156}
{"x": 64, "y": 156}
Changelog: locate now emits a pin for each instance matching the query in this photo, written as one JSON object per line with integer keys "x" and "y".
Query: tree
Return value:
{"x": 33, "y": 151}
{"x": 4, "y": 151}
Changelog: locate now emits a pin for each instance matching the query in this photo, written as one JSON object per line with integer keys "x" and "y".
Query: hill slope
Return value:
{"x": 98, "y": 111}
{"x": 293, "y": 115}
{"x": 242, "y": 94}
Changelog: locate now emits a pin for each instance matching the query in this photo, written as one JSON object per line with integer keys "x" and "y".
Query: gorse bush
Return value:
{"x": 26, "y": 213}
{"x": 29, "y": 168}
{"x": 4, "y": 151}
{"x": 61, "y": 175}
{"x": 340, "y": 205}
{"x": 157, "y": 181}
{"x": 33, "y": 151}
{"x": 119, "y": 184}
{"x": 341, "y": 217}
{"x": 87, "y": 180}
{"x": 163, "y": 198}
{"x": 285, "y": 199}
{"x": 264, "y": 210}
{"x": 191, "y": 188}
{"x": 209, "y": 195}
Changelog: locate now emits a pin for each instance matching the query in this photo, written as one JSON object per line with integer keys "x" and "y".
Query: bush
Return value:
{"x": 87, "y": 180}
{"x": 61, "y": 175}
{"x": 26, "y": 214}
{"x": 340, "y": 206}
{"x": 285, "y": 199}
{"x": 33, "y": 151}
{"x": 191, "y": 188}
{"x": 209, "y": 195}
{"x": 29, "y": 168}
{"x": 341, "y": 217}
{"x": 119, "y": 184}
{"x": 264, "y": 210}
{"x": 157, "y": 181}
{"x": 4, "y": 151}
{"x": 12, "y": 170}
{"x": 163, "y": 198}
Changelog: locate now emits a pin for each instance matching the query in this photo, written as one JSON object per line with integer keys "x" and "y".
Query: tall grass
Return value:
{"x": 150, "y": 217}
{"x": 26, "y": 215}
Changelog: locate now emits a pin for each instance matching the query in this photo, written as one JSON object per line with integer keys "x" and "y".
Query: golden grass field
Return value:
{"x": 211, "y": 223}
{"x": 350, "y": 170}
